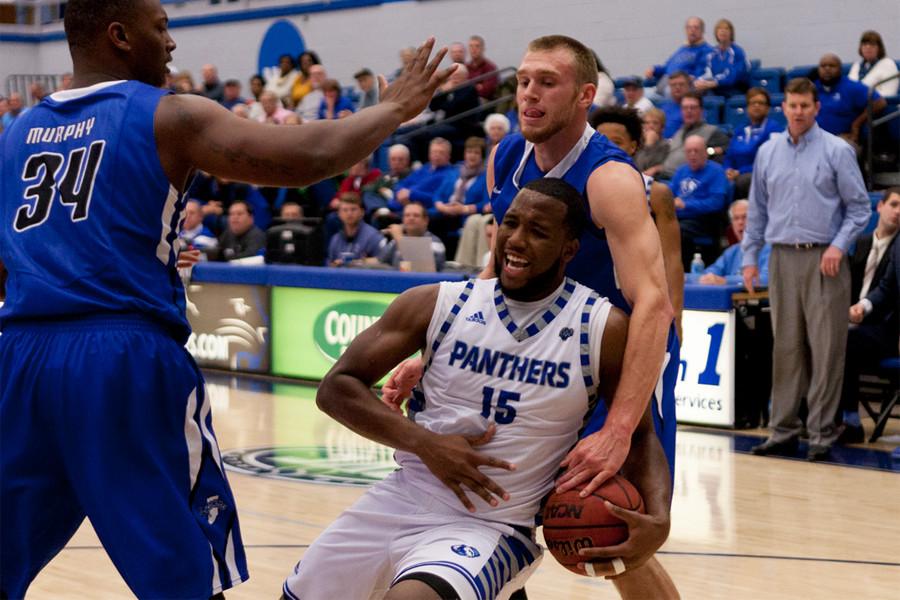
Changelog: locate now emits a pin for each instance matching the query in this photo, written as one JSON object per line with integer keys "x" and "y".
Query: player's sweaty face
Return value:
{"x": 530, "y": 243}
{"x": 546, "y": 93}
{"x": 152, "y": 45}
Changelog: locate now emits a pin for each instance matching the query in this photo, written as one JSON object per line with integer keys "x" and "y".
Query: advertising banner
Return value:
{"x": 705, "y": 390}
{"x": 312, "y": 327}
{"x": 230, "y": 326}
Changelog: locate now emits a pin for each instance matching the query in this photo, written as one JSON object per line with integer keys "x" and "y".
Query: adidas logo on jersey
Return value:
{"x": 477, "y": 317}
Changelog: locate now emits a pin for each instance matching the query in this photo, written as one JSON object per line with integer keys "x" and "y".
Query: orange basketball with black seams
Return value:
{"x": 572, "y": 523}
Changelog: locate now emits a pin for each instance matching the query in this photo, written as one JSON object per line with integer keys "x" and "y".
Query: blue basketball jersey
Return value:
{"x": 88, "y": 215}
{"x": 515, "y": 166}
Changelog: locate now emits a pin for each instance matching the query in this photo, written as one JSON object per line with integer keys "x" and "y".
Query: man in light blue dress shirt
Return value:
{"x": 808, "y": 200}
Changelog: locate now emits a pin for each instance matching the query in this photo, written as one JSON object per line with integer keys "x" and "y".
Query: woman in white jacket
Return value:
{"x": 875, "y": 65}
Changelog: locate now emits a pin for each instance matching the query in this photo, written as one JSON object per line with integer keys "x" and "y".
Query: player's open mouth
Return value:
{"x": 516, "y": 264}
{"x": 533, "y": 113}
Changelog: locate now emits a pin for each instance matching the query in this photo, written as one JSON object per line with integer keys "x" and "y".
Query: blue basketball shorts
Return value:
{"x": 107, "y": 418}
{"x": 662, "y": 403}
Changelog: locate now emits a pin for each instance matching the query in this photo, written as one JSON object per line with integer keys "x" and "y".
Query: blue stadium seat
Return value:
{"x": 736, "y": 115}
{"x": 800, "y": 71}
{"x": 712, "y": 109}
{"x": 768, "y": 78}
{"x": 755, "y": 64}
{"x": 845, "y": 68}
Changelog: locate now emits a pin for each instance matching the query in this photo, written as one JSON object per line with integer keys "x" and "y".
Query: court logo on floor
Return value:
{"x": 352, "y": 463}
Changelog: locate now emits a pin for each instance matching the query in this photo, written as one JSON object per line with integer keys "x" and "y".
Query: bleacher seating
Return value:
{"x": 770, "y": 78}
{"x": 799, "y": 71}
{"x": 712, "y": 109}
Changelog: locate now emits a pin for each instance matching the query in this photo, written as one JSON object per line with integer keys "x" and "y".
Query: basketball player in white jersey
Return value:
{"x": 513, "y": 366}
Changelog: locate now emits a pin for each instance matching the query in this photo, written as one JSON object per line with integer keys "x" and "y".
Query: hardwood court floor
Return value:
{"x": 743, "y": 527}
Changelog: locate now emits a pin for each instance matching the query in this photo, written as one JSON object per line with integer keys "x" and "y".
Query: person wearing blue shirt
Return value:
{"x": 679, "y": 85}
{"x": 746, "y": 140}
{"x": 843, "y": 101}
{"x": 727, "y": 68}
{"x": 727, "y": 268}
{"x": 690, "y": 58}
{"x": 422, "y": 184}
{"x": 809, "y": 201}
{"x": 700, "y": 189}
{"x": 333, "y": 104}
{"x": 356, "y": 239}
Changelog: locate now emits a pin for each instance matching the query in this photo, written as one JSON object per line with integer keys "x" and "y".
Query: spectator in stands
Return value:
{"x": 457, "y": 53}
{"x": 365, "y": 80}
{"x": 727, "y": 68}
{"x": 211, "y": 87}
{"x": 193, "y": 232}
{"x": 843, "y": 101}
{"x": 290, "y": 211}
{"x": 281, "y": 82}
{"x": 727, "y": 268}
{"x": 606, "y": 88}
{"x": 746, "y": 141}
{"x": 415, "y": 224}
{"x": 479, "y": 65}
{"x": 654, "y": 147}
{"x": 875, "y": 65}
{"x": 232, "y": 94}
{"x": 690, "y": 58}
{"x": 679, "y": 85}
{"x": 378, "y": 193}
{"x": 241, "y": 110}
{"x": 633, "y": 90}
{"x": 358, "y": 177}
{"x": 16, "y": 109}
{"x": 474, "y": 249}
{"x": 4, "y": 108}
{"x": 458, "y": 198}
{"x": 272, "y": 110}
{"x": 406, "y": 56}
{"x": 356, "y": 239}
{"x": 874, "y": 333}
{"x": 701, "y": 190}
{"x": 693, "y": 124}
{"x": 453, "y": 98}
{"x": 302, "y": 84}
{"x": 422, "y": 184}
{"x": 183, "y": 83}
{"x": 243, "y": 238}
{"x": 65, "y": 81}
{"x": 308, "y": 109}
{"x": 496, "y": 126}
{"x": 810, "y": 225}
{"x": 37, "y": 92}
{"x": 334, "y": 104}
{"x": 257, "y": 87}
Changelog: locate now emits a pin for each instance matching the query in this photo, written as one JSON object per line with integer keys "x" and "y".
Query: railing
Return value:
{"x": 873, "y": 123}
{"x": 407, "y": 135}
{"x": 22, "y": 84}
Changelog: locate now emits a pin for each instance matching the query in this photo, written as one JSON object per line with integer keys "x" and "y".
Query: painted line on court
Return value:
{"x": 245, "y": 546}
{"x": 776, "y": 557}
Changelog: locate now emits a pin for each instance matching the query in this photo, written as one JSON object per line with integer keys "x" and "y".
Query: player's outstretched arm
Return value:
{"x": 670, "y": 239}
{"x": 618, "y": 204}
{"x": 193, "y": 132}
{"x": 345, "y": 394}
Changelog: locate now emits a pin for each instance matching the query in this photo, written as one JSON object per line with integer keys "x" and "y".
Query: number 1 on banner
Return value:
{"x": 709, "y": 376}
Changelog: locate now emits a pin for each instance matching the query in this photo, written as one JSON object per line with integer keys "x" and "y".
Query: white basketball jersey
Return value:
{"x": 535, "y": 380}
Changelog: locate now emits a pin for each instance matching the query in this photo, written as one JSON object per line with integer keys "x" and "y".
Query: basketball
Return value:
{"x": 572, "y": 523}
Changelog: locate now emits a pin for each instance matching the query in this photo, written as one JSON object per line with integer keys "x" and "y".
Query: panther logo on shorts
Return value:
{"x": 212, "y": 509}
{"x": 464, "y": 550}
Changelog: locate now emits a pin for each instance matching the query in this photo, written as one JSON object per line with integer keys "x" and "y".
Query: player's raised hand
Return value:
{"x": 646, "y": 533}
{"x": 401, "y": 382}
{"x": 593, "y": 460}
{"x": 453, "y": 460}
{"x": 415, "y": 86}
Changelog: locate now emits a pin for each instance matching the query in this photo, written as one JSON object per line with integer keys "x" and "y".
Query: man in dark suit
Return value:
{"x": 875, "y": 315}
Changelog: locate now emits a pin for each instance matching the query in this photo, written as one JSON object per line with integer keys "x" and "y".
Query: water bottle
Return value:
{"x": 697, "y": 265}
